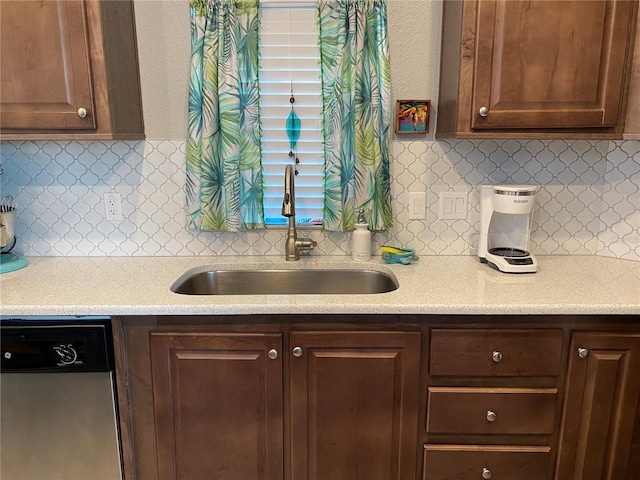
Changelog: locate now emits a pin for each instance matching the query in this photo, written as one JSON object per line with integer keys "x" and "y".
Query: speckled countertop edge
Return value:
{"x": 434, "y": 285}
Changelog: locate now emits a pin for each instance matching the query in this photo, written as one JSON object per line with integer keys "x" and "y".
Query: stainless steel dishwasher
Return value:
{"x": 58, "y": 414}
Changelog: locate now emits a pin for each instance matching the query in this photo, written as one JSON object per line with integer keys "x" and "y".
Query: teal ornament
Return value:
{"x": 293, "y": 129}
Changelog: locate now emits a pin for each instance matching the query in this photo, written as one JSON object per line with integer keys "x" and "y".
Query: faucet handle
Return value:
{"x": 306, "y": 244}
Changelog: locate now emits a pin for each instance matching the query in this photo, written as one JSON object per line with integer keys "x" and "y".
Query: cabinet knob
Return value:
{"x": 297, "y": 351}
{"x": 82, "y": 112}
{"x": 583, "y": 352}
{"x": 496, "y": 356}
{"x": 486, "y": 473}
{"x": 273, "y": 354}
{"x": 491, "y": 416}
{"x": 483, "y": 112}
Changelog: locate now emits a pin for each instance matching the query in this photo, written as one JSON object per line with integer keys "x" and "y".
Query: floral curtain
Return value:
{"x": 356, "y": 82}
{"x": 224, "y": 172}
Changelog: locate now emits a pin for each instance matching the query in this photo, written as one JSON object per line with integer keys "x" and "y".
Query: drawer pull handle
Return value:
{"x": 486, "y": 473}
{"x": 273, "y": 354}
{"x": 583, "y": 352}
{"x": 483, "y": 112}
{"x": 496, "y": 356}
{"x": 297, "y": 352}
{"x": 491, "y": 416}
{"x": 82, "y": 112}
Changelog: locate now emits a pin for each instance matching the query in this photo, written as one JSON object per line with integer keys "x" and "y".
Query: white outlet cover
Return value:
{"x": 113, "y": 207}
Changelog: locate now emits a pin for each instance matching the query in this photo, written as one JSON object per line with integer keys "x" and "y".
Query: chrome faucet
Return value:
{"x": 292, "y": 245}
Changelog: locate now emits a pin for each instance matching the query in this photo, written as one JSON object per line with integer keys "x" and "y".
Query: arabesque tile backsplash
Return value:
{"x": 589, "y": 202}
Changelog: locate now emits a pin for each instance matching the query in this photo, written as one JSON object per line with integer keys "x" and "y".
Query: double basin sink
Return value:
{"x": 283, "y": 281}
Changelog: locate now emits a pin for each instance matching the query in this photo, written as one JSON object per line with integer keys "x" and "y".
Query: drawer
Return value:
{"x": 503, "y": 411}
{"x": 468, "y": 462}
{"x": 495, "y": 352}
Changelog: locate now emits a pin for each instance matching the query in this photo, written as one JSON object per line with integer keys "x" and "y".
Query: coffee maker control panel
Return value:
{"x": 519, "y": 261}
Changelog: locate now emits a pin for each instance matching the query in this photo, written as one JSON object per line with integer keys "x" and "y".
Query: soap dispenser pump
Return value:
{"x": 361, "y": 239}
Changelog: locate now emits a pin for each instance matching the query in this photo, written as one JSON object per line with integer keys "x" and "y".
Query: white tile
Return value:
{"x": 589, "y": 202}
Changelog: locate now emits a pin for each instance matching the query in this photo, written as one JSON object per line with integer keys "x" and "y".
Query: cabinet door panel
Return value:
{"x": 519, "y": 411}
{"x": 469, "y": 462}
{"x": 470, "y": 352}
{"x": 632, "y": 124}
{"x": 354, "y": 405}
{"x": 218, "y": 405}
{"x": 542, "y": 64}
{"x": 600, "y": 407}
{"x": 44, "y": 65}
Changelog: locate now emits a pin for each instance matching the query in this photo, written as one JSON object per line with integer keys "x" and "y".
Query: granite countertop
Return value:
{"x": 433, "y": 285}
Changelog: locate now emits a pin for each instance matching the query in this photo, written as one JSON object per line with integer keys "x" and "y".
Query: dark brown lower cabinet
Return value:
{"x": 218, "y": 405}
{"x": 473, "y": 462}
{"x": 522, "y": 411}
{"x": 311, "y": 398}
{"x": 354, "y": 405}
{"x": 603, "y": 388}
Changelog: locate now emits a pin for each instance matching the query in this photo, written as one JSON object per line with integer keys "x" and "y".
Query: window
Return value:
{"x": 289, "y": 56}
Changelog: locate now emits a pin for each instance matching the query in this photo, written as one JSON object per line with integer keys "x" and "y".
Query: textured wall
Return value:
{"x": 164, "y": 51}
{"x": 414, "y": 28}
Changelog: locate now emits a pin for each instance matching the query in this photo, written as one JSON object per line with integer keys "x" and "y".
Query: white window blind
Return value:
{"x": 289, "y": 56}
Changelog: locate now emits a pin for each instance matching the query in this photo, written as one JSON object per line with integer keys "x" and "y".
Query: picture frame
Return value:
{"x": 412, "y": 116}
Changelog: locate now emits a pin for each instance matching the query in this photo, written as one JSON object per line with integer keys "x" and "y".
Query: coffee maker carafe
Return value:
{"x": 505, "y": 226}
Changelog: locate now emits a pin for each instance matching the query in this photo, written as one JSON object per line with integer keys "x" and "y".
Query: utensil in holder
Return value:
{"x": 7, "y": 227}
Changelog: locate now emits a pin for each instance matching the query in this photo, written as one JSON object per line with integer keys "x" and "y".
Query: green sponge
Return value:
{"x": 398, "y": 255}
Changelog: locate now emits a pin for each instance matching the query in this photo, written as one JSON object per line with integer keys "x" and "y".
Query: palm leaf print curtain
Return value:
{"x": 356, "y": 82}
{"x": 224, "y": 171}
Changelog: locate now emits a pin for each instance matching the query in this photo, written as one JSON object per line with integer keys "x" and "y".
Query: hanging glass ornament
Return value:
{"x": 293, "y": 130}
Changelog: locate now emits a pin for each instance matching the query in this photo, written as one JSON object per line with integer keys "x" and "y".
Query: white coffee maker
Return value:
{"x": 505, "y": 226}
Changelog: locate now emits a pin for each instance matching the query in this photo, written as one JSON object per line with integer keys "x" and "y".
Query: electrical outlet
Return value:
{"x": 113, "y": 207}
{"x": 417, "y": 205}
{"x": 452, "y": 206}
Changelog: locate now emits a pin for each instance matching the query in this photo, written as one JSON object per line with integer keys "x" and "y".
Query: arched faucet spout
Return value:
{"x": 292, "y": 245}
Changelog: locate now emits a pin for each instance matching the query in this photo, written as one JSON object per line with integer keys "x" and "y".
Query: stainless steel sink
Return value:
{"x": 201, "y": 281}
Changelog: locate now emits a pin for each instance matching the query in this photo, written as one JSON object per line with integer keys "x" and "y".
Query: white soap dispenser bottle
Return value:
{"x": 361, "y": 239}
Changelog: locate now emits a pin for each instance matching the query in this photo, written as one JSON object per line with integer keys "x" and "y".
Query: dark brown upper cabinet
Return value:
{"x": 535, "y": 69}
{"x": 69, "y": 70}
{"x": 632, "y": 125}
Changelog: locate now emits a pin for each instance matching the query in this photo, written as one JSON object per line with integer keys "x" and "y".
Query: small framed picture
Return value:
{"x": 412, "y": 116}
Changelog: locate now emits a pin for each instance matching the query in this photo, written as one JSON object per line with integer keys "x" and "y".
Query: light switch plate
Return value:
{"x": 417, "y": 205}
{"x": 452, "y": 206}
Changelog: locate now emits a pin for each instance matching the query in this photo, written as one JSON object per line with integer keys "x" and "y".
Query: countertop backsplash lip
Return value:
{"x": 435, "y": 285}
{"x": 589, "y": 203}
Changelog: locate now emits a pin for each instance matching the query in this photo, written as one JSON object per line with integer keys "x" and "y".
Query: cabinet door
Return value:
{"x": 218, "y": 405}
{"x": 632, "y": 125}
{"x": 354, "y": 405}
{"x": 44, "y": 65}
{"x": 600, "y": 407}
{"x": 545, "y": 64}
